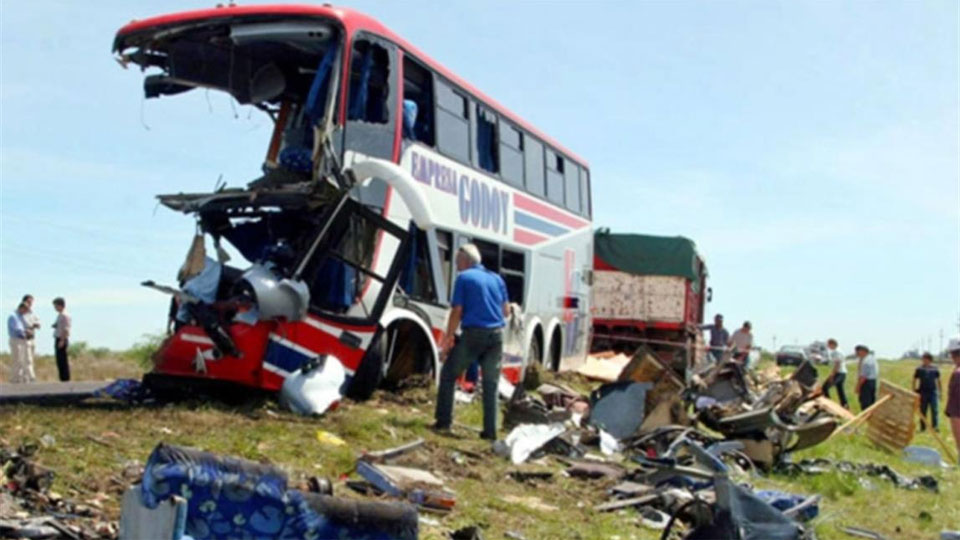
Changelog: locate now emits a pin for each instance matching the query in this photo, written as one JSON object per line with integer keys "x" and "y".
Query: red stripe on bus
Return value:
{"x": 542, "y": 210}
{"x": 527, "y": 237}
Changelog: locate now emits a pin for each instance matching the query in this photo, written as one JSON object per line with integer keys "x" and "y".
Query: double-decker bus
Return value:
{"x": 381, "y": 164}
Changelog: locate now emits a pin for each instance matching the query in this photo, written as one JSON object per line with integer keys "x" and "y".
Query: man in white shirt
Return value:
{"x": 742, "y": 341}
{"x": 32, "y": 324}
{"x": 61, "y": 338}
{"x": 838, "y": 374}
{"x": 867, "y": 374}
{"x": 21, "y": 362}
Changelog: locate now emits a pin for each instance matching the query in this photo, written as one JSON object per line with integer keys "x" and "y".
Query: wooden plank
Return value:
{"x": 864, "y": 415}
{"x": 892, "y": 426}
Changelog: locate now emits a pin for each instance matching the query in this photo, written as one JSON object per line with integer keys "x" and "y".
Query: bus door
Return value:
{"x": 351, "y": 268}
{"x": 372, "y": 98}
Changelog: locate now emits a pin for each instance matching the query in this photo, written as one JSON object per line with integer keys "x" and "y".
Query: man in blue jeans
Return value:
{"x": 479, "y": 305}
{"x": 926, "y": 382}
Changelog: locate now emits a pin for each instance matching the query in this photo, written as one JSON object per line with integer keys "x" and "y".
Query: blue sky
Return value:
{"x": 810, "y": 149}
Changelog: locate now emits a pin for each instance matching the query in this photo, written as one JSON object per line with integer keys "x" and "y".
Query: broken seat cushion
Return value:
{"x": 618, "y": 408}
{"x": 234, "y": 498}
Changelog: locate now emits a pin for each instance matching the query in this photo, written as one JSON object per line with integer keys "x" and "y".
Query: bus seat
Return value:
{"x": 297, "y": 158}
{"x": 358, "y": 94}
{"x": 409, "y": 119}
{"x": 314, "y": 105}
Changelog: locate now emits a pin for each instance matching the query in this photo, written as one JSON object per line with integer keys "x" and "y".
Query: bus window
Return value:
{"x": 487, "y": 140}
{"x": 584, "y": 192}
{"x": 453, "y": 126}
{"x": 511, "y": 154}
{"x": 416, "y": 279}
{"x": 489, "y": 255}
{"x": 369, "y": 83}
{"x": 571, "y": 176}
{"x": 512, "y": 269}
{"x": 533, "y": 166}
{"x": 417, "y": 102}
{"x": 554, "y": 177}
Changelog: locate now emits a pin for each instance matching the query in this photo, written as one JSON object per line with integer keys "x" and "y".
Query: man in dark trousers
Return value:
{"x": 926, "y": 382}
{"x": 480, "y": 306}
{"x": 867, "y": 375}
{"x": 61, "y": 338}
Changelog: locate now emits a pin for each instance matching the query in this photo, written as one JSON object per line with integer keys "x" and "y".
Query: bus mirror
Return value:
{"x": 709, "y": 294}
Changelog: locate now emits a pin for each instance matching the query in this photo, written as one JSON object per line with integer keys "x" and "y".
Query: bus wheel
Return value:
{"x": 410, "y": 362}
{"x": 554, "y": 356}
{"x": 531, "y": 375}
{"x": 369, "y": 373}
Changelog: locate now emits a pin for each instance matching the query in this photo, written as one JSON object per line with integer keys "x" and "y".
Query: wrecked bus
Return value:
{"x": 381, "y": 163}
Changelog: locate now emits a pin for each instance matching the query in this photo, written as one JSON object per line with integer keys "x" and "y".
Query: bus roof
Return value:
{"x": 352, "y": 21}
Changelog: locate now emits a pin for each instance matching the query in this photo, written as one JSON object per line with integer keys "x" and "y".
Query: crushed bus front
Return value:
{"x": 316, "y": 285}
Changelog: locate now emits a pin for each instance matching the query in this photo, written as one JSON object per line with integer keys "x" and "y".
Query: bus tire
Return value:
{"x": 369, "y": 373}
{"x": 531, "y": 375}
{"x": 554, "y": 356}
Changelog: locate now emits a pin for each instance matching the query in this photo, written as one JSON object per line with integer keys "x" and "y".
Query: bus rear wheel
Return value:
{"x": 531, "y": 375}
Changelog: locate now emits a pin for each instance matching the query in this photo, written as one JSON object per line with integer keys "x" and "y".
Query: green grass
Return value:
{"x": 94, "y": 443}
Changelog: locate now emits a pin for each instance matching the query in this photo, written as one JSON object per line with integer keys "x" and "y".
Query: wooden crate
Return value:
{"x": 892, "y": 425}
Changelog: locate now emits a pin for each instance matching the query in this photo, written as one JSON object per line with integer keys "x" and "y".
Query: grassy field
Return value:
{"x": 94, "y": 443}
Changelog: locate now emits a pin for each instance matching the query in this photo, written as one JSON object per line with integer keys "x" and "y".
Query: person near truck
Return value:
{"x": 926, "y": 382}
{"x": 480, "y": 307}
{"x": 719, "y": 336}
{"x": 741, "y": 341}
{"x": 867, "y": 374}
{"x": 838, "y": 373}
{"x": 61, "y": 338}
{"x": 953, "y": 392}
{"x": 21, "y": 359}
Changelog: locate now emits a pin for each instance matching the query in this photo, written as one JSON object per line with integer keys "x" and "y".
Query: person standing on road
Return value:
{"x": 953, "y": 392}
{"x": 33, "y": 324}
{"x": 21, "y": 368}
{"x": 742, "y": 341}
{"x": 867, "y": 374}
{"x": 838, "y": 374}
{"x": 719, "y": 336}
{"x": 61, "y": 338}
{"x": 926, "y": 382}
{"x": 479, "y": 304}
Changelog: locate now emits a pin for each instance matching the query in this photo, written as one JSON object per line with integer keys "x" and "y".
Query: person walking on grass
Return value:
{"x": 21, "y": 359}
{"x": 926, "y": 382}
{"x": 953, "y": 392}
{"x": 61, "y": 338}
{"x": 480, "y": 306}
{"x": 867, "y": 374}
{"x": 838, "y": 373}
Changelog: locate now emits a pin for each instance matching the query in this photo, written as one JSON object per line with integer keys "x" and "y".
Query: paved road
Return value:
{"x": 49, "y": 391}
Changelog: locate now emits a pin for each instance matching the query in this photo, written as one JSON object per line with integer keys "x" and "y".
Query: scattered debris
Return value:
{"x": 925, "y": 455}
{"x": 315, "y": 387}
{"x": 821, "y": 465}
{"x": 380, "y": 456}
{"x": 524, "y": 440}
{"x": 419, "y": 487}
{"x": 604, "y": 366}
{"x": 862, "y": 533}
{"x": 252, "y": 500}
{"x": 329, "y": 439}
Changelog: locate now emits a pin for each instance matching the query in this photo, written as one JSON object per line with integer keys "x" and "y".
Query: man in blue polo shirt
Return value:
{"x": 479, "y": 306}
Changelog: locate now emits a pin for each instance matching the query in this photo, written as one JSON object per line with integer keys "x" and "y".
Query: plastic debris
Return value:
{"x": 327, "y": 438}
{"x": 526, "y": 439}
{"x": 315, "y": 387}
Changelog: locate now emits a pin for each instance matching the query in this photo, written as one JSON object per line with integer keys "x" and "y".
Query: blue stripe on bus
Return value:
{"x": 530, "y": 222}
{"x": 284, "y": 357}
